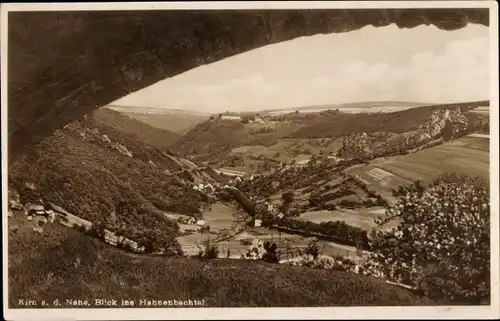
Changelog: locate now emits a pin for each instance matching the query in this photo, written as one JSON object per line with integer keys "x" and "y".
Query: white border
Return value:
{"x": 269, "y": 313}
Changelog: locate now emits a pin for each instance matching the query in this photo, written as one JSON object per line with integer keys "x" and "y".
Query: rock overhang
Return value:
{"x": 63, "y": 65}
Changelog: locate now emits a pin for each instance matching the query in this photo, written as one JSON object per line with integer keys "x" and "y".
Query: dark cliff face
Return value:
{"x": 62, "y": 65}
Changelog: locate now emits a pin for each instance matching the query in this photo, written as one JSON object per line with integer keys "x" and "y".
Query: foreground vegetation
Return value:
{"x": 84, "y": 268}
{"x": 442, "y": 245}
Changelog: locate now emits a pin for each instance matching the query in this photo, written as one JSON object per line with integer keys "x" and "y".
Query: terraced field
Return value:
{"x": 469, "y": 155}
{"x": 473, "y": 141}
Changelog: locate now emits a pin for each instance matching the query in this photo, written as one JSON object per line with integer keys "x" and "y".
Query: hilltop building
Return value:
{"x": 230, "y": 117}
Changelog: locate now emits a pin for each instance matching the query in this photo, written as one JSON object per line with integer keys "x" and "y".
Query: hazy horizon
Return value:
{"x": 423, "y": 64}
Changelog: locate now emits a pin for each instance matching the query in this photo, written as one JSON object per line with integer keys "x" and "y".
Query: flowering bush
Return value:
{"x": 338, "y": 263}
{"x": 442, "y": 245}
{"x": 266, "y": 251}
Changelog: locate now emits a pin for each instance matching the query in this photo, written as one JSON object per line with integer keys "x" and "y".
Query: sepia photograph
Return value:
{"x": 304, "y": 159}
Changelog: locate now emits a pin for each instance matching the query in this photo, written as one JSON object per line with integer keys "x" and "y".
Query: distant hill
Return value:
{"x": 159, "y": 138}
{"x": 334, "y": 125}
{"x": 366, "y": 104}
{"x": 216, "y": 135}
{"x": 177, "y": 121}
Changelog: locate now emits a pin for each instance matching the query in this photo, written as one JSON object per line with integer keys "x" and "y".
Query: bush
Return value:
{"x": 312, "y": 249}
{"x": 209, "y": 251}
{"x": 271, "y": 255}
{"x": 348, "y": 204}
{"x": 443, "y": 241}
{"x": 246, "y": 242}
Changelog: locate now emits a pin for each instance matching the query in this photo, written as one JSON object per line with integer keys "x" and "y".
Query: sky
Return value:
{"x": 423, "y": 64}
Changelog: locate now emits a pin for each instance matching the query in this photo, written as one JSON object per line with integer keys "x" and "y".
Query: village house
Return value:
{"x": 30, "y": 208}
{"x": 257, "y": 220}
{"x": 15, "y": 204}
{"x": 258, "y": 120}
{"x": 187, "y": 220}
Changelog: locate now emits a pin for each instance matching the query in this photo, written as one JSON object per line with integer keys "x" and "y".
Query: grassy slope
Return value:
{"x": 43, "y": 267}
{"x": 159, "y": 138}
{"x": 91, "y": 180}
{"x": 215, "y": 136}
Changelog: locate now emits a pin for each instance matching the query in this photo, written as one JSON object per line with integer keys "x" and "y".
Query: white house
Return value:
{"x": 303, "y": 162}
{"x": 200, "y": 222}
{"x": 259, "y": 120}
{"x": 189, "y": 220}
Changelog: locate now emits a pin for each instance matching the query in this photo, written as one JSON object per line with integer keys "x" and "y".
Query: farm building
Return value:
{"x": 229, "y": 117}
{"x": 303, "y": 162}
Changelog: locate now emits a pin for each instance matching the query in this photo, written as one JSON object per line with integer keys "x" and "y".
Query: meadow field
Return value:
{"x": 360, "y": 217}
{"x": 219, "y": 216}
{"x": 286, "y": 149}
{"x": 482, "y": 110}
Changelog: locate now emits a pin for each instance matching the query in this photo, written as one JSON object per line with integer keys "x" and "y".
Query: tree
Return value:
{"x": 271, "y": 255}
{"x": 288, "y": 197}
{"x": 442, "y": 244}
{"x": 312, "y": 249}
{"x": 209, "y": 251}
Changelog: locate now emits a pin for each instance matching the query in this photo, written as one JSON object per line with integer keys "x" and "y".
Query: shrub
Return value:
{"x": 246, "y": 242}
{"x": 288, "y": 197}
